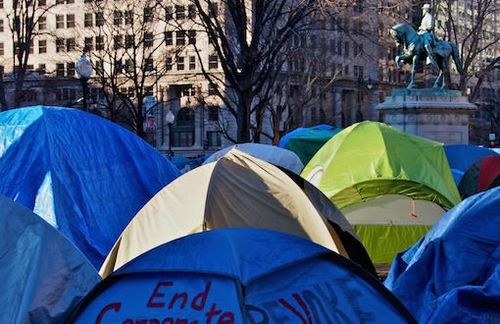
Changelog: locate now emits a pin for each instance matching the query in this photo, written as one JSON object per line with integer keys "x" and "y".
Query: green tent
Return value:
{"x": 390, "y": 185}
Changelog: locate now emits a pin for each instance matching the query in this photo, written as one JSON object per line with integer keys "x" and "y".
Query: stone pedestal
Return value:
{"x": 440, "y": 115}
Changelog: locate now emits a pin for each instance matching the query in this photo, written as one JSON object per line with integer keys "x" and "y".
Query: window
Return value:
{"x": 212, "y": 90}
{"x": 117, "y": 41}
{"x": 148, "y": 91}
{"x": 117, "y": 18}
{"x": 70, "y": 1}
{"x": 42, "y": 3}
{"x": 129, "y": 41}
{"x": 99, "y": 19}
{"x": 357, "y": 49}
{"x": 70, "y": 44}
{"x": 192, "y": 62}
{"x": 180, "y": 39}
{"x": 148, "y": 64}
{"x": 99, "y": 67}
{"x": 2, "y": 49}
{"x": 313, "y": 42}
{"x": 88, "y": 20}
{"x": 129, "y": 17}
{"x": 148, "y": 14}
{"x": 41, "y": 69}
{"x": 60, "y": 69}
{"x": 129, "y": 66}
{"x": 183, "y": 133}
{"x": 88, "y": 44}
{"x": 1, "y": 4}
{"x": 169, "y": 13}
{"x": 59, "y": 1}
{"x": 191, "y": 11}
{"x": 1, "y": 25}
{"x": 293, "y": 90}
{"x": 70, "y": 69}
{"x": 346, "y": 49}
{"x": 70, "y": 20}
{"x": 59, "y": 21}
{"x": 213, "y": 10}
{"x": 214, "y": 138}
{"x": 180, "y": 63}
{"x": 42, "y": 46}
{"x": 60, "y": 47}
{"x": 99, "y": 43}
{"x": 180, "y": 12}
{"x": 169, "y": 38}
{"x": 66, "y": 94}
{"x": 213, "y": 113}
{"x": 192, "y": 37}
{"x": 213, "y": 62}
{"x": 346, "y": 69}
{"x": 148, "y": 39}
{"x": 169, "y": 63}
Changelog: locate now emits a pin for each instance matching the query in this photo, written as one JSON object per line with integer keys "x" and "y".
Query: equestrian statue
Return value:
{"x": 423, "y": 44}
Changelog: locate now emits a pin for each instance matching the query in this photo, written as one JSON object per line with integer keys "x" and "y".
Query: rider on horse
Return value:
{"x": 426, "y": 30}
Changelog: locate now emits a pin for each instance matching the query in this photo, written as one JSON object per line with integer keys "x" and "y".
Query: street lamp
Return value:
{"x": 170, "y": 118}
{"x": 84, "y": 70}
{"x": 369, "y": 84}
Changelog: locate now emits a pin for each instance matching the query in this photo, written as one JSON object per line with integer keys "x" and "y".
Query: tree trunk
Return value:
{"x": 3, "y": 100}
{"x": 18, "y": 88}
{"x": 243, "y": 116}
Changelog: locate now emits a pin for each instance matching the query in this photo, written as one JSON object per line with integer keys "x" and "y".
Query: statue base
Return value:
{"x": 438, "y": 114}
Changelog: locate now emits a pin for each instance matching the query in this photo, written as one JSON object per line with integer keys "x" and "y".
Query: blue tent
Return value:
{"x": 43, "y": 275}
{"x": 453, "y": 273}
{"x": 457, "y": 175}
{"x": 461, "y": 157}
{"x": 84, "y": 175}
{"x": 240, "y": 276}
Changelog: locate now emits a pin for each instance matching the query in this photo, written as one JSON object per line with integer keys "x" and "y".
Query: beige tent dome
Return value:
{"x": 237, "y": 190}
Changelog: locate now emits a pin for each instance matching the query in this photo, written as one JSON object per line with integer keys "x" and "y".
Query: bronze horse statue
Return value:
{"x": 413, "y": 53}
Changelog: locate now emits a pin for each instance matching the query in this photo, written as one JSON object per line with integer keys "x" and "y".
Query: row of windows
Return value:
{"x": 119, "y": 41}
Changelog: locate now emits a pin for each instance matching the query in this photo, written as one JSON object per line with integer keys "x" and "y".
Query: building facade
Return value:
{"x": 336, "y": 72}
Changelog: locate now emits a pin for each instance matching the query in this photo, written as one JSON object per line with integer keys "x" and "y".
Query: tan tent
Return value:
{"x": 238, "y": 190}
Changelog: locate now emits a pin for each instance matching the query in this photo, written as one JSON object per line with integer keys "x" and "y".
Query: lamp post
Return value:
{"x": 170, "y": 118}
{"x": 84, "y": 70}
{"x": 369, "y": 84}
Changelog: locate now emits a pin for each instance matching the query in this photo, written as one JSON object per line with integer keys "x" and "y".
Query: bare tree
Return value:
{"x": 247, "y": 37}
{"x": 299, "y": 92}
{"x": 477, "y": 40}
{"x": 23, "y": 21}
{"x": 129, "y": 57}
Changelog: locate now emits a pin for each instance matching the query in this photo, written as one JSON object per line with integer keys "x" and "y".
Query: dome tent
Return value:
{"x": 237, "y": 190}
{"x": 453, "y": 273}
{"x": 305, "y": 142}
{"x": 240, "y": 276}
{"x": 480, "y": 176}
{"x": 390, "y": 185}
{"x": 44, "y": 275}
{"x": 275, "y": 155}
{"x": 83, "y": 174}
{"x": 461, "y": 157}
